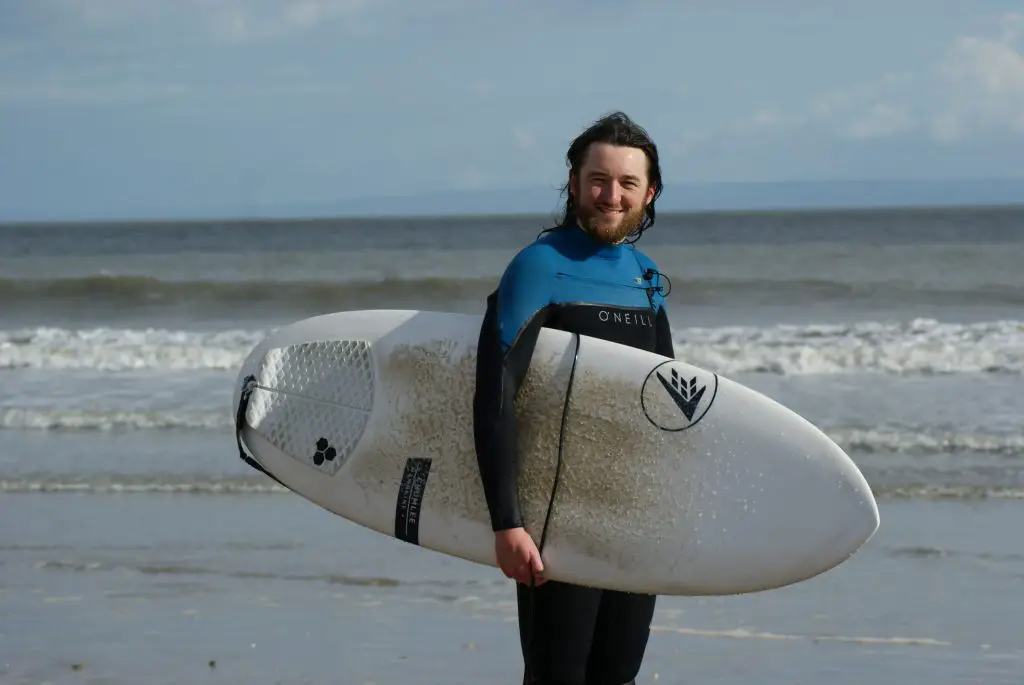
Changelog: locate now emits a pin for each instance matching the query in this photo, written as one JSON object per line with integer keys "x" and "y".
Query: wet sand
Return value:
{"x": 267, "y": 588}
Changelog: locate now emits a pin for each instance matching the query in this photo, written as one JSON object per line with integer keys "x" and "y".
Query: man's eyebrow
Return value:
{"x": 601, "y": 172}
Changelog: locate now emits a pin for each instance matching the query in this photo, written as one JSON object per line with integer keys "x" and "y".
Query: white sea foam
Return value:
{"x": 747, "y": 634}
{"x": 26, "y": 418}
{"x": 920, "y": 346}
{"x": 909, "y": 440}
{"x": 925, "y": 442}
{"x": 112, "y": 349}
{"x": 155, "y": 484}
{"x": 256, "y": 483}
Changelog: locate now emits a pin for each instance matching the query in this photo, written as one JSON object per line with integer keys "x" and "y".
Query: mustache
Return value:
{"x": 591, "y": 219}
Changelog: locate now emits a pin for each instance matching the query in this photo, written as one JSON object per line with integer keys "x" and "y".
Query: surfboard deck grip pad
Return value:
{"x": 302, "y": 388}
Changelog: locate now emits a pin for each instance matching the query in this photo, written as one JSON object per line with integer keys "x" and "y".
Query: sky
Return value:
{"x": 191, "y": 107}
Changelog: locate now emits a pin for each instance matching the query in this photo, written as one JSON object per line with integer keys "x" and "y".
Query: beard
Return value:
{"x": 609, "y": 228}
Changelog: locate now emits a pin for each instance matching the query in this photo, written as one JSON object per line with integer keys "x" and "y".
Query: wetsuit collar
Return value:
{"x": 599, "y": 248}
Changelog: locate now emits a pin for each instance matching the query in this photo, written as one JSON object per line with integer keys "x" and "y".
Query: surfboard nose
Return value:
{"x": 801, "y": 508}
{"x": 830, "y": 524}
{"x": 856, "y": 506}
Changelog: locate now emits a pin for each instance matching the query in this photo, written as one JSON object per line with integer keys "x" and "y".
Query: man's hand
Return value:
{"x": 518, "y": 556}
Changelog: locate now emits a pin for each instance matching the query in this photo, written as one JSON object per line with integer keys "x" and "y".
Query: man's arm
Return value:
{"x": 663, "y": 344}
{"x": 516, "y": 311}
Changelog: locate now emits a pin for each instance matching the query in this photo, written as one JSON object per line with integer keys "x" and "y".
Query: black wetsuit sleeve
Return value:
{"x": 663, "y": 342}
{"x": 515, "y": 314}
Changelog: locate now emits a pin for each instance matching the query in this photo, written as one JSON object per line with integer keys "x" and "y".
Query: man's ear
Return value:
{"x": 650, "y": 195}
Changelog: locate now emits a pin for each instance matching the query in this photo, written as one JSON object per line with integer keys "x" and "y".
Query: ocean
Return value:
{"x": 135, "y": 546}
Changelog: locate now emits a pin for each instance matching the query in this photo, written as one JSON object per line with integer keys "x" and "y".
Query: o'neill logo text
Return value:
{"x": 681, "y": 397}
{"x": 625, "y": 318}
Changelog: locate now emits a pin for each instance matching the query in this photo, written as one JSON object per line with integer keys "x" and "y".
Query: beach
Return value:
{"x": 136, "y": 547}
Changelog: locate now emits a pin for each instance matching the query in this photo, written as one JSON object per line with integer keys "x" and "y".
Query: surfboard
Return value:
{"x": 637, "y": 472}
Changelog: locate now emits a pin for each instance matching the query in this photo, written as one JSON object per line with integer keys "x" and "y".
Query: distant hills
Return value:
{"x": 694, "y": 197}
{"x": 709, "y": 197}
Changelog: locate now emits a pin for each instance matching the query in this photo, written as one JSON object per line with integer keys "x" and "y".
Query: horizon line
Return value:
{"x": 473, "y": 215}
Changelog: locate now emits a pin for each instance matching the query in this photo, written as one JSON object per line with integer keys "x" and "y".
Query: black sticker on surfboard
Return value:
{"x": 410, "y": 500}
{"x": 676, "y": 396}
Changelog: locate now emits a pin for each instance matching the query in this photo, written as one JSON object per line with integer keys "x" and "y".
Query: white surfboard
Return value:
{"x": 673, "y": 480}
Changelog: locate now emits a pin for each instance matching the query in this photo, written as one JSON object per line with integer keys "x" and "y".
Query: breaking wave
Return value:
{"x": 873, "y": 441}
{"x": 920, "y": 346}
{"x": 919, "y": 442}
{"x": 84, "y": 420}
{"x": 261, "y": 485}
{"x": 228, "y": 485}
{"x": 113, "y": 349}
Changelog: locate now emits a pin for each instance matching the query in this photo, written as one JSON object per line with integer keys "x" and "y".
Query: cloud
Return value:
{"x": 842, "y": 101}
{"x": 764, "y": 119}
{"x": 975, "y": 89}
{"x": 114, "y": 52}
{"x": 471, "y": 177}
{"x": 135, "y": 92}
{"x": 983, "y": 78}
{"x": 246, "y": 22}
{"x": 137, "y": 84}
{"x": 224, "y": 20}
{"x": 97, "y": 13}
{"x": 881, "y": 120}
{"x": 524, "y": 138}
{"x": 866, "y": 110}
{"x": 70, "y": 93}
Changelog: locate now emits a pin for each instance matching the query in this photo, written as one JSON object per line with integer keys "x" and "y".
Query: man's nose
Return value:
{"x": 610, "y": 193}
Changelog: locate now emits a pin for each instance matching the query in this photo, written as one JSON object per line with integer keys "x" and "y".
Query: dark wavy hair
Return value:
{"x": 615, "y": 129}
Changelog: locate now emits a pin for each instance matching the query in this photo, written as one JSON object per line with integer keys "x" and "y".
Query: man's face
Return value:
{"x": 611, "y": 191}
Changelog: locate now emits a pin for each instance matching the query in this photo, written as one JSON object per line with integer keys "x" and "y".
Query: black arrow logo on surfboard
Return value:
{"x": 684, "y": 393}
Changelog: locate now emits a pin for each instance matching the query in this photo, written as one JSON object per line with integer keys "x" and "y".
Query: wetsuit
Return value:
{"x": 564, "y": 280}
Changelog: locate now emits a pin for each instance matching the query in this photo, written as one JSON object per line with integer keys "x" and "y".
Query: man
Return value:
{"x": 569, "y": 279}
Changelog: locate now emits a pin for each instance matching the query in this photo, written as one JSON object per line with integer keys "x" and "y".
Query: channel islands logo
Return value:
{"x": 676, "y": 396}
{"x": 324, "y": 450}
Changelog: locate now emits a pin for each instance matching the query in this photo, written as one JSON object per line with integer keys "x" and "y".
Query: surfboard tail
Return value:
{"x": 311, "y": 400}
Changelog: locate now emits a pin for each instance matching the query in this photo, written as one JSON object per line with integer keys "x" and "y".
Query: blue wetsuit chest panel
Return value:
{"x": 564, "y": 280}
{"x": 579, "y": 285}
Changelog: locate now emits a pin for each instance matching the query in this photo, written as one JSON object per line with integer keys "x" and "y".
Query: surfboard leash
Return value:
{"x": 528, "y": 677}
{"x": 561, "y": 447}
{"x": 248, "y": 385}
